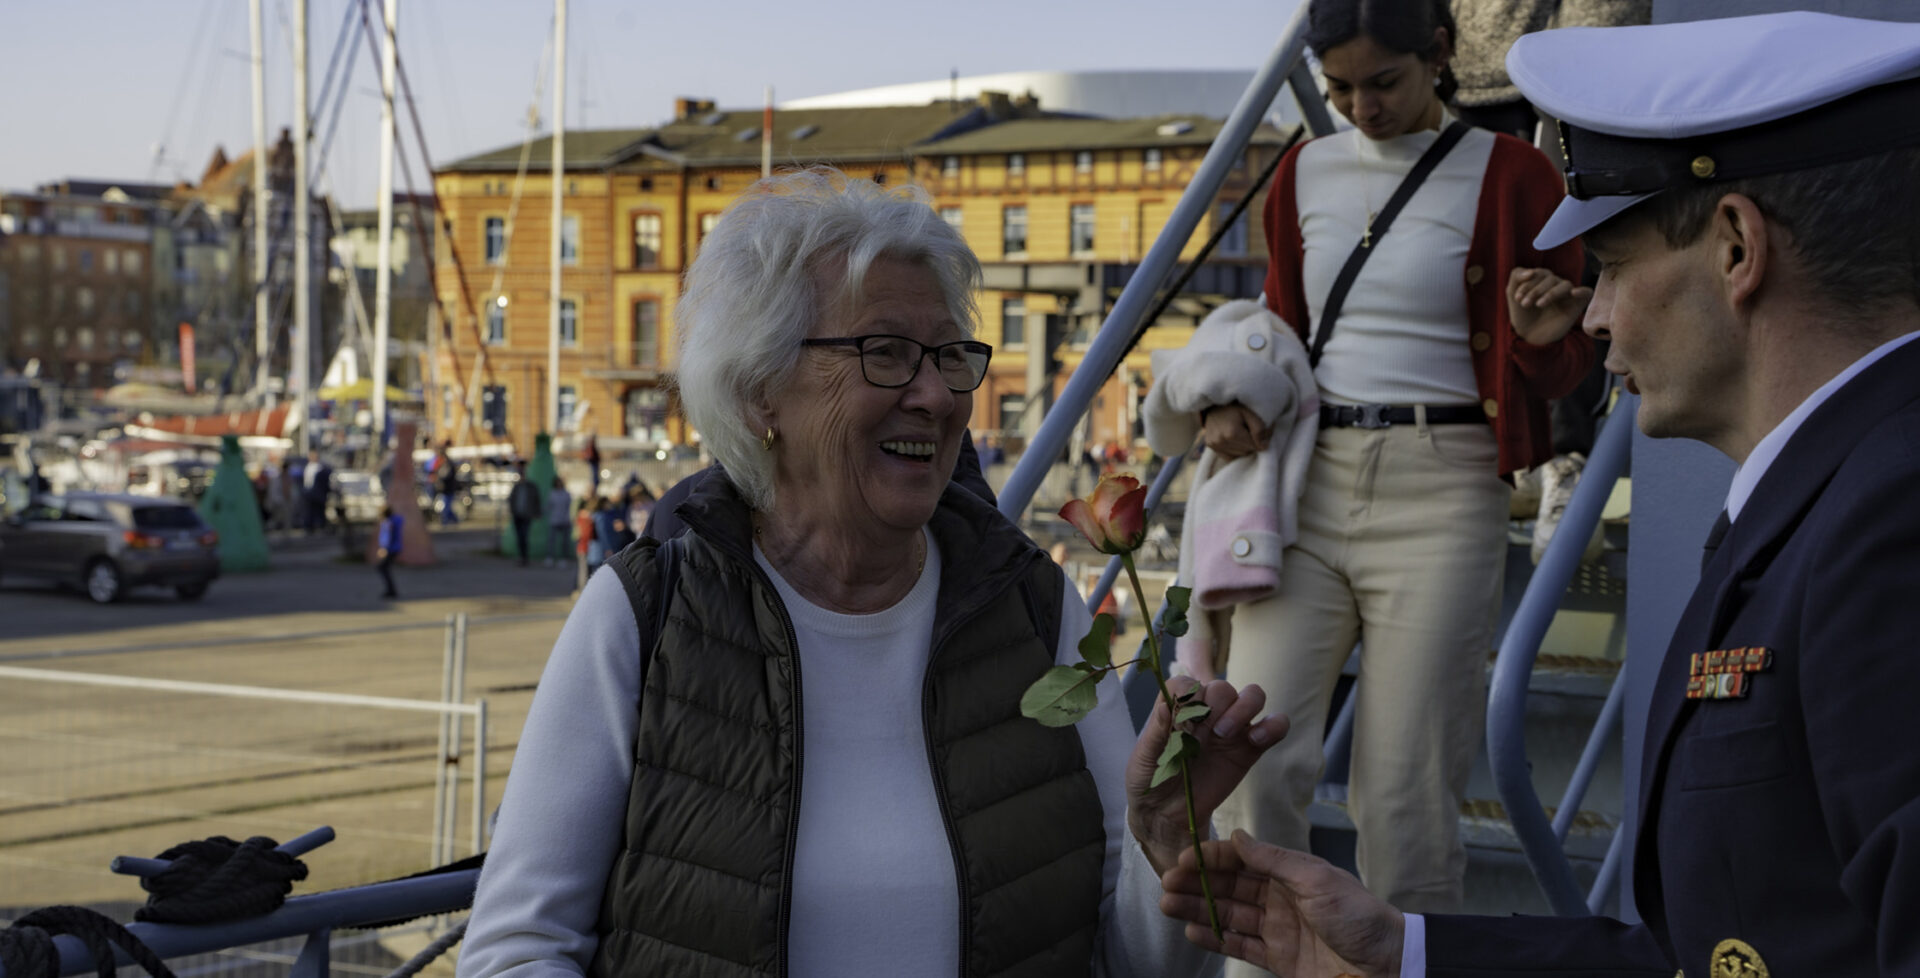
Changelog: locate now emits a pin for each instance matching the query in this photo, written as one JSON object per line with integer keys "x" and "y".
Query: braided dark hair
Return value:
{"x": 1402, "y": 26}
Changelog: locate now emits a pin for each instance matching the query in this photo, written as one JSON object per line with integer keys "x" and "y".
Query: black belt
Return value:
{"x": 1388, "y": 415}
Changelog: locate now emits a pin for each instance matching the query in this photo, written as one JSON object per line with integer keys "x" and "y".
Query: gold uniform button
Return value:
{"x": 1481, "y": 341}
{"x": 1703, "y": 167}
{"x": 1474, "y": 274}
{"x": 1492, "y": 407}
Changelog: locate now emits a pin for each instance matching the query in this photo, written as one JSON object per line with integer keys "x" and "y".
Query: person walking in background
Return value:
{"x": 446, "y": 477}
{"x": 559, "y": 521}
{"x": 1432, "y": 380}
{"x": 392, "y": 538}
{"x": 584, "y": 545}
{"x": 592, "y": 457}
{"x": 316, "y": 485}
{"x": 523, "y": 507}
{"x": 611, "y": 528}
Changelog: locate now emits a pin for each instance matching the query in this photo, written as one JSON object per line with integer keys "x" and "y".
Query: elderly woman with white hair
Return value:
{"x": 790, "y": 742}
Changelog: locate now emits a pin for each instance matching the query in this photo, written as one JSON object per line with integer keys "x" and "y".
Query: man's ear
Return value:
{"x": 1742, "y": 247}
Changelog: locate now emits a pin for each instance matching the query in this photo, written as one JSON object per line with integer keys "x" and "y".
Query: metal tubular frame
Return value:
{"x": 316, "y": 916}
{"x": 1110, "y": 344}
{"x": 1512, "y": 669}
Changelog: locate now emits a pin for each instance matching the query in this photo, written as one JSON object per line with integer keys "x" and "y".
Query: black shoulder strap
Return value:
{"x": 1377, "y": 230}
{"x": 649, "y": 611}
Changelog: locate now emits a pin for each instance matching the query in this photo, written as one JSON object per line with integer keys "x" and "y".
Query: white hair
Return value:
{"x": 751, "y": 295}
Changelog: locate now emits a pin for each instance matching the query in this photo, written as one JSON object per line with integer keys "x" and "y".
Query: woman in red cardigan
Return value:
{"x": 1434, "y": 383}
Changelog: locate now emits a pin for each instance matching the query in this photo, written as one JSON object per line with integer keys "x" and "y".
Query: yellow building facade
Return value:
{"x": 1059, "y": 210}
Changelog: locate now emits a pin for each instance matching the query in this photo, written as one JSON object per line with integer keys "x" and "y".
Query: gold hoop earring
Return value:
{"x": 766, "y": 441}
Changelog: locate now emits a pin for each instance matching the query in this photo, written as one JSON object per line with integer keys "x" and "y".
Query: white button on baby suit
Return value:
{"x": 1256, "y": 342}
{"x": 1242, "y": 546}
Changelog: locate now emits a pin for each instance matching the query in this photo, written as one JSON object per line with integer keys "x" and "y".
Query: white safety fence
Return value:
{"x": 93, "y": 766}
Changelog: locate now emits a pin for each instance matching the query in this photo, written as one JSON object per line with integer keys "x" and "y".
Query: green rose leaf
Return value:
{"x": 1178, "y": 598}
{"x": 1097, "y": 645}
{"x": 1061, "y": 696}
{"x": 1181, "y": 747}
{"x": 1188, "y": 714}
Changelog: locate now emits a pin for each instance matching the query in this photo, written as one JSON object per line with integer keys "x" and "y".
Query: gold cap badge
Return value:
{"x": 1703, "y": 167}
{"x": 1735, "y": 958}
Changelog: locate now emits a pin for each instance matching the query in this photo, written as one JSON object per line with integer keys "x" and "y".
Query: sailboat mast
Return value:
{"x": 383, "y": 261}
{"x": 261, "y": 312}
{"x": 302, "y": 233}
{"x": 559, "y": 189}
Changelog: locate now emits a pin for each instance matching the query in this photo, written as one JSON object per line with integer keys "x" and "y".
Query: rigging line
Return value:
{"x": 1220, "y": 230}
{"x": 333, "y": 61}
{"x": 484, "y": 365}
{"x": 484, "y": 362}
{"x": 438, "y": 47}
{"x": 209, "y": 84}
{"x": 339, "y": 103}
{"x": 180, "y": 89}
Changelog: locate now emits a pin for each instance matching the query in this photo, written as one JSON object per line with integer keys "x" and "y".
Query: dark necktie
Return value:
{"x": 1714, "y": 536}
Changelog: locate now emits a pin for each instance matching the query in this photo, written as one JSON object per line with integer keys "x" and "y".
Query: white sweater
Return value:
{"x": 1402, "y": 335}
{"x": 873, "y": 882}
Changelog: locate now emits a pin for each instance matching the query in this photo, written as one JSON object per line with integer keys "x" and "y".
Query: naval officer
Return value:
{"x": 1751, "y": 188}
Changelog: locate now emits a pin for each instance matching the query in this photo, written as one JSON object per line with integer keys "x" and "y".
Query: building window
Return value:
{"x": 569, "y": 323}
{"x": 130, "y": 339}
{"x": 496, "y": 323}
{"x": 493, "y": 409}
{"x": 1234, "y": 243}
{"x": 57, "y": 257}
{"x": 952, "y": 216}
{"x": 647, "y": 415}
{"x": 86, "y": 259}
{"x": 496, "y": 240}
{"x": 83, "y": 337}
{"x": 707, "y": 222}
{"x": 1016, "y": 164}
{"x": 83, "y": 300}
{"x": 713, "y": 183}
{"x": 1012, "y": 407}
{"x": 644, "y": 350}
{"x": 131, "y": 263}
{"x": 1013, "y": 323}
{"x": 132, "y": 302}
{"x": 950, "y": 167}
{"x": 1013, "y": 230}
{"x": 880, "y": 177}
{"x": 570, "y": 240}
{"x": 567, "y": 399}
{"x": 1150, "y": 159}
{"x": 646, "y": 240}
{"x": 110, "y": 261}
{"x": 1083, "y": 161}
{"x": 1081, "y": 229}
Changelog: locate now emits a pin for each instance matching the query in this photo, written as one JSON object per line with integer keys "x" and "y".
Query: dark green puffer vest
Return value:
{"x": 701, "y": 888}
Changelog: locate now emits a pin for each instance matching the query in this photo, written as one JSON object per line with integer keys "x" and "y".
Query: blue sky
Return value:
{"x": 143, "y": 90}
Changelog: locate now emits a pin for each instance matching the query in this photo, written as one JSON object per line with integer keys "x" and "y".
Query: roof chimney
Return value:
{"x": 997, "y": 104}
{"x": 685, "y": 108}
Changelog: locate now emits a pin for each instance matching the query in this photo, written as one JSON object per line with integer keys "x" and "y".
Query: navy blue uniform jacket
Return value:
{"x": 1788, "y": 819}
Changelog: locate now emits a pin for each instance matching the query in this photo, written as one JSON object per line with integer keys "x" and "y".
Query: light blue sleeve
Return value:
{"x": 538, "y": 900}
{"x": 1413, "y": 953}
{"x": 1135, "y": 939}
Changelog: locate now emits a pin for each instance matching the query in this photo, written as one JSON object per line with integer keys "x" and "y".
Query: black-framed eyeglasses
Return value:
{"x": 887, "y": 360}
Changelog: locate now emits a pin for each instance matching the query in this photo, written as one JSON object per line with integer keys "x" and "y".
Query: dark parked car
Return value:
{"x": 106, "y": 543}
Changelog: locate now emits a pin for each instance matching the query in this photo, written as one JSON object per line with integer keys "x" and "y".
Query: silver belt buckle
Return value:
{"x": 1372, "y": 416}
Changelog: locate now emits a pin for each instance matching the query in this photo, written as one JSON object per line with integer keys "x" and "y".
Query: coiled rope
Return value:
{"x": 219, "y": 879}
{"x": 27, "y": 949}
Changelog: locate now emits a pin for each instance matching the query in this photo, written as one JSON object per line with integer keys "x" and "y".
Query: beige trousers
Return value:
{"x": 1402, "y": 548}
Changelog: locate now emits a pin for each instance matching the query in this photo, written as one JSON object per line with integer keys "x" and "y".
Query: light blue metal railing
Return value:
{"x": 316, "y": 917}
{"x": 1541, "y": 840}
{"x": 1116, "y": 334}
